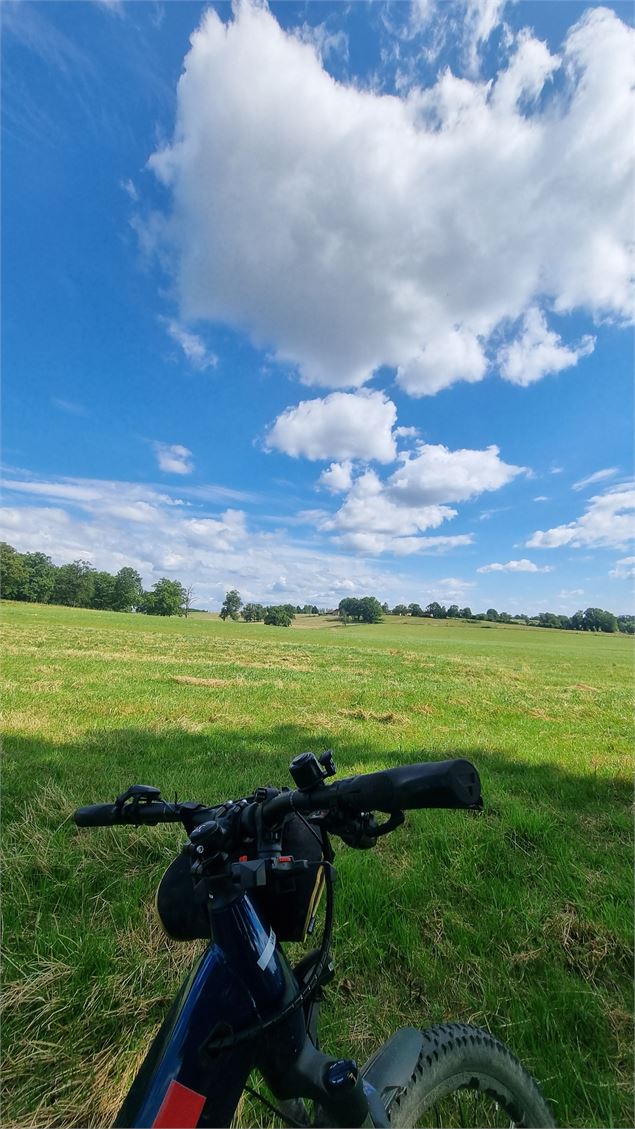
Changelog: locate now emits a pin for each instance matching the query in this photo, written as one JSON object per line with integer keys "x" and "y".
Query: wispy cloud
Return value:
{"x": 599, "y": 476}
{"x": 70, "y": 407}
{"x": 515, "y": 566}
{"x": 193, "y": 346}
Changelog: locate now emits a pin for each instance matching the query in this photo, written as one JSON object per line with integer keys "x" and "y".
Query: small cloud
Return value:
{"x": 70, "y": 407}
{"x": 541, "y": 498}
{"x": 624, "y": 569}
{"x": 599, "y": 476}
{"x": 556, "y": 469}
{"x": 515, "y": 566}
{"x": 406, "y": 432}
{"x": 173, "y": 458}
{"x": 569, "y": 593}
{"x": 338, "y": 477}
{"x": 192, "y": 345}
{"x": 129, "y": 188}
{"x": 539, "y": 351}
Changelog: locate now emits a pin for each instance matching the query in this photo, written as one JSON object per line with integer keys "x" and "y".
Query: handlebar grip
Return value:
{"x": 96, "y": 815}
{"x": 438, "y": 784}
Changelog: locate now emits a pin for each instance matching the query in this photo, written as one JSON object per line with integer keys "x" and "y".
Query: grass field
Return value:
{"x": 519, "y": 920}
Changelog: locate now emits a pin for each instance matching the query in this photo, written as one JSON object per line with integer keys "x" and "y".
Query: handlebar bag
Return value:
{"x": 288, "y": 903}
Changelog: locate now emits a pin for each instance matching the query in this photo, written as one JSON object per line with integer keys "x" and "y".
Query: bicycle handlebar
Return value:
{"x": 437, "y": 784}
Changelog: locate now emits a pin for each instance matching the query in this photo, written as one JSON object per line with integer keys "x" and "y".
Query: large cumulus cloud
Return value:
{"x": 347, "y": 229}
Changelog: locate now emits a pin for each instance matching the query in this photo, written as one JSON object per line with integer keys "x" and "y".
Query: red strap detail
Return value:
{"x": 180, "y": 1108}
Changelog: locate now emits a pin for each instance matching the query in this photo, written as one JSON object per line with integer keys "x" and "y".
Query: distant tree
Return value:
{"x": 74, "y": 585}
{"x": 253, "y": 613}
{"x": 436, "y": 610}
{"x": 504, "y": 617}
{"x": 40, "y": 577}
{"x": 385, "y": 609}
{"x": 103, "y": 591}
{"x": 315, "y": 610}
{"x": 453, "y": 611}
{"x": 166, "y": 598}
{"x": 576, "y": 621}
{"x": 596, "y": 619}
{"x": 401, "y": 609}
{"x": 128, "y": 589}
{"x": 364, "y": 610}
{"x": 231, "y": 605}
{"x": 188, "y": 600}
{"x": 13, "y": 575}
{"x": 626, "y": 624}
{"x": 415, "y": 610}
{"x": 492, "y": 615}
{"x": 278, "y": 616}
{"x": 465, "y": 613}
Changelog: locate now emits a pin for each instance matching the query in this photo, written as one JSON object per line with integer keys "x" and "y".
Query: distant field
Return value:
{"x": 519, "y": 920}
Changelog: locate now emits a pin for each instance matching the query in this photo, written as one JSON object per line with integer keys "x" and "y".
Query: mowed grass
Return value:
{"x": 519, "y": 920}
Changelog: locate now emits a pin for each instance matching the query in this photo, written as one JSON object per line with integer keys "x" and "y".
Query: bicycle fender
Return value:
{"x": 391, "y": 1067}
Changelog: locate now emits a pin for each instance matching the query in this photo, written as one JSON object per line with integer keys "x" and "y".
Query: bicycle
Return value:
{"x": 250, "y": 877}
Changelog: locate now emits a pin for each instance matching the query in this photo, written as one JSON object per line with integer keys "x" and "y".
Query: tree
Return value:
{"x": 167, "y": 598}
{"x": 74, "y": 585}
{"x": 626, "y": 623}
{"x": 596, "y": 619}
{"x": 400, "y": 609}
{"x": 231, "y": 605}
{"x": 40, "y": 577}
{"x": 315, "y": 610}
{"x": 453, "y": 611}
{"x": 492, "y": 615}
{"x": 128, "y": 590}
{"x": 253, "y": 613}
{"x": 415, "y": 610}
{"x": 278, "y": 616}
{"x": 465, "y": 613}
{"x": 436, "y": 610}
{"x": 13, "y": 572}
{"x": 103, "y": 591}
{"x": 364, "y": 610}
{"x": 188, "y": 599}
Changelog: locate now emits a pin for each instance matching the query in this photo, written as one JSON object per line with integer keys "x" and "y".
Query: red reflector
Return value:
{"x": 242, "y": 858}
{"x": 180, "y": 1108}
{"x": 285, "y": 858}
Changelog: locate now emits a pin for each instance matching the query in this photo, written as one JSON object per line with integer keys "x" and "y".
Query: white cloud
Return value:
{"x": 599, "y": 476}
{"x": 338, "y": 477}
{"x": 348, "y": 229}
{"x": 344, "y": 425}
{"x": 608, "y": 523}
{"x": 435, "y": 474}
{"x": 539, "y": 351}
{"x": 71, "y": 407}
{"x": 624, "y": 569}
{"x": 212, "y": 552}
{"x": 193, "y": 346}
{"x": 130, "y": 189}
{"x": 541, "y": 498}
{"x": 515, "y": 566}
{"x": 173, "y": 458}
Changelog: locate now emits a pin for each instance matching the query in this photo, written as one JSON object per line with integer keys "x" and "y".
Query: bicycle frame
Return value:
{"x": 240, "y": 981}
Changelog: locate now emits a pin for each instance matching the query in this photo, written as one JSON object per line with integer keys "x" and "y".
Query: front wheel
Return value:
{"x": 465, "y": 1077}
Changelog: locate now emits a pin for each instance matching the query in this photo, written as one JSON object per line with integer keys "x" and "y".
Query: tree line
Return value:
{"x": 593, "y": 619}
{"x": 34, "y": 578}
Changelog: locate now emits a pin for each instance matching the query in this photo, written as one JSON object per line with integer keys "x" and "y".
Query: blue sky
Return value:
{"x": 317, "y": 300}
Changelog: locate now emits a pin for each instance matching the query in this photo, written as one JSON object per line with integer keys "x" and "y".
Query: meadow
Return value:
{"x": 519, "y": 920}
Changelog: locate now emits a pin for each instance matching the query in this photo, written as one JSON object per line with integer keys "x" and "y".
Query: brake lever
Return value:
{"x": 137, "y": 793}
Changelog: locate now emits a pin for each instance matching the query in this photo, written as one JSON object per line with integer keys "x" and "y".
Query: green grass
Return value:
{"x": 518, "y": 920}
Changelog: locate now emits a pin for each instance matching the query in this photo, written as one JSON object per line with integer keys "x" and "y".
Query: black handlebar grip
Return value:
{"x": 438, "y": 784}
{"x": 96, "y": 815}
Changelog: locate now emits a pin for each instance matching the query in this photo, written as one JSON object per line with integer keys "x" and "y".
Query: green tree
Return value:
{"x": 103, "y": 591}
{"x": 453, "y": 611}
{"x": 492, "y": 615}
{"x": 436, "y": 610}
{"x": 40, "y": 577}
{"x": 13, "y": 574}
{"x": 166, "y": 598}
{"x": 231, "y": 605}
{"x": 278, "y": 616}
{"x": 416, "y": 610}
{"x": 253, "y": 613}
{"x": 626, "y": 623}
{"x": 74, "y": 585}
{"x": 400, "y": 609}
{"x": 128, "y": 590}
{"x": 465, "y": 613}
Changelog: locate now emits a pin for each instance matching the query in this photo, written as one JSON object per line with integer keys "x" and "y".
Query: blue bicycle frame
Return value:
{"x": 240, "y": 981}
